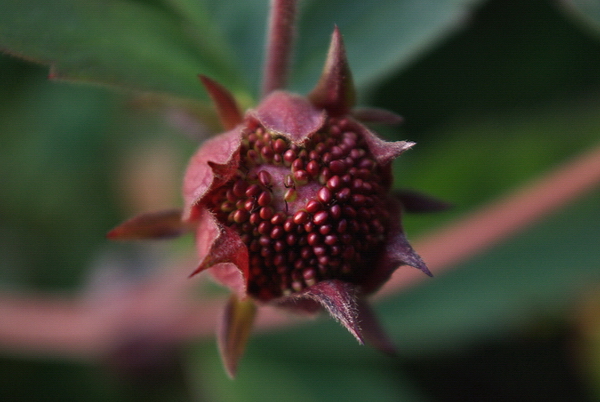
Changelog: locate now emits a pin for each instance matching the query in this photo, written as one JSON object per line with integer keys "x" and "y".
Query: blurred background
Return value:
{"x": 495, "y": 93}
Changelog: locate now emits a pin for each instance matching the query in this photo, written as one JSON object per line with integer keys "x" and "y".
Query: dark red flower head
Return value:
{"x": 293, "y": 206}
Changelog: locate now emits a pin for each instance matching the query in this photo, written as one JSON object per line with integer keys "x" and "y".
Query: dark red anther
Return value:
{"x": 330, "y": 240}
{"x": 279, "y": 146}
{"x": 289, "y": 156}
{"x": 334, "y": 183}
{"x": 301, "y": 217}
{"x": 319, "y": 250}
{"x": 306, "y": 253}
{"x": 358, "y": 199}
{"x": 277, "y": 232}
{"x": 337, "y": 152}
{"x": 279, "y": 246}
{"x": 267, "y": 152}
{"x": 291, "y": 239}
{"x": 253, "y": 190}
{"x": 301, "y": 176}
{"x": 309, "y": 227}
{"x": 338, "y": 166}
{"x": 264, "y": 227}
{"x": 325, "y": 229}
{"x": 239, "y": 188}
{"x": 335, "y": 211}
{"x": 278, "y": 219}
{"x": 297, "y": 164}
{"x": 266, "y": 213}
{"x": 249, "y": 204}
{"x": 241, "y": 216}
{"x": 264, "y": 178}
{"x": 320, "y": 217}
{"x": 313, "y": 168}
{"x": 264, "y": 240}
{"x": 255, "y": 218}
{"x": 309, "y": 273}
{"x": 289, "y": 225}
{"x": 343, "y": 195}
{"x": 324, "y": 195}
{"x": 288, "y": 181}
{"x": 313, "y": 206}
{"x": 313, "y": 239}
{"x": 264, "y": 199}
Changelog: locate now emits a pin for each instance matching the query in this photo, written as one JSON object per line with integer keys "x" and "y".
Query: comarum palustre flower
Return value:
{"x": 293, "y": 206}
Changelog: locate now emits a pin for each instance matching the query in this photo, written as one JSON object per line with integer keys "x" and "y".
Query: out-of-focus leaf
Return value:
{"x": 473, "y": 161}
{"x": 244, "y": 26}
{"x": 63, "y": 152}
{"x": 586, "y": 11}
{"x": 140, "y": 46}
{"x": 275, "y": 369}
{"x": 128, "y": 44}
{"x": 532, "y": 276}
{"x": 380, "y": 36}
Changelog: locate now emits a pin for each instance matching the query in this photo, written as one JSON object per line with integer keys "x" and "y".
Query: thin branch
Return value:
{"x": 280, "y": 42}
{"x": 165, "y": 309}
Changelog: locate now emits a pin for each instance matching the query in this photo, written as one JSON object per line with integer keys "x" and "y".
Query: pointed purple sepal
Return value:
{"x": 335, "y": 90}
{"x": 400, "y": 252}
{"x": 233, "y": 331}
{"x": 397, "y": 252}
{"x": 153, "y": 225}
{"x": 211, "y": 166}
{"x": 221, "y": 248}
{"x": 227, "y": 108}
{"x": 340, "y": 300}
{"x": 415, "y": 202}
{"x": 375, "y": 115}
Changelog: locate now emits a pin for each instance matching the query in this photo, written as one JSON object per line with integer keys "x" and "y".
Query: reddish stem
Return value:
{"x": 280, "y": 42}
{"x": 165, "y": 308}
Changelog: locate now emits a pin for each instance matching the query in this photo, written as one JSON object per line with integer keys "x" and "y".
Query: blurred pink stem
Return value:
{"x": 280, "y": 42}
{"x": 165, "y": 308}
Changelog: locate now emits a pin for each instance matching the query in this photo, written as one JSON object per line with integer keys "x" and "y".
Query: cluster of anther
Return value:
{"x": 306, "y": 212}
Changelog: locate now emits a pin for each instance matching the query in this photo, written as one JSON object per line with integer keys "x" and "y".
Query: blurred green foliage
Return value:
{"x": 510, "y": 94}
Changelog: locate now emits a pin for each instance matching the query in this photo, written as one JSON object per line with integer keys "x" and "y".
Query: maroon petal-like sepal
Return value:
{"x": 220, "y": 247}
{"x": 340, "y": 300}
{"x": 400, "y": 252}
{"x": 227, "y": 108}
{"x": 152, "y": 225}
{"x": 289, "y": 115}
{"x": 335, "y": 90}
{"x": 214, "y": 164}
{"x": 233, "y": 331}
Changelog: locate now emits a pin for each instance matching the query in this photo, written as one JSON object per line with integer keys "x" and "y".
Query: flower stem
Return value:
{"x": 280, "y": 41}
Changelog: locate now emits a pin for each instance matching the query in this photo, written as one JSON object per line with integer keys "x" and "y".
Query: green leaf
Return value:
{"x": 244, "y": 26}
{"x": 535, "y": 275}
{"x": 117, "y": 42}
{"x": 380, "y": 36}
{"x": 278, "y": 369}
